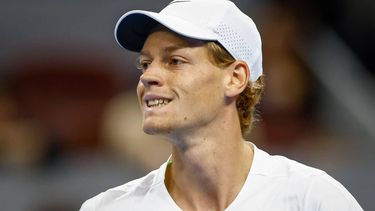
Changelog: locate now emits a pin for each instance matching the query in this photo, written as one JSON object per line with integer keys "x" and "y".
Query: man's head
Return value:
{"x": 229, "y": 35}
{"x": 206, "y": 20}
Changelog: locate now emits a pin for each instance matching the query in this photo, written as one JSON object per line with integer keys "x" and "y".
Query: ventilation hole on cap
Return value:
{"x": 233, "y": 42}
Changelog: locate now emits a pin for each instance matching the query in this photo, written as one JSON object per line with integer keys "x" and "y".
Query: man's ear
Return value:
{"x": 237, "y": 78}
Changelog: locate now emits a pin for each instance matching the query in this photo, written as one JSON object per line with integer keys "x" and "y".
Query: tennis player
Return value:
{"x": 201, "y": 63}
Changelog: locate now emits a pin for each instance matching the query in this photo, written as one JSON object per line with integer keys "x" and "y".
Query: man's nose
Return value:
{"x": 152, "y": 76}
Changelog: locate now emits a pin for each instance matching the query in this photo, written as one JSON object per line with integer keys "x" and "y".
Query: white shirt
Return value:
{"x": 274, "y": 183}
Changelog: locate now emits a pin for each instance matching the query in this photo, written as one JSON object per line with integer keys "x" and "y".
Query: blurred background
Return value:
{"x": 70, "y": 124}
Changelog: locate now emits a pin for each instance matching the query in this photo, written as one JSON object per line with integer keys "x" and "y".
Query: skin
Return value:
{"x": 211, "y": 161}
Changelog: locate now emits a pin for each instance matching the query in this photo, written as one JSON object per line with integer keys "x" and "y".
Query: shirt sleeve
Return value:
{"x": 87, "y": 206}
{"x": 91, "y": 204}
{"x": 327, "y": 194}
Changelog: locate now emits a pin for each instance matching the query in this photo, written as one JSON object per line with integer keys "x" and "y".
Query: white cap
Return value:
{"x": 207, "y": 20}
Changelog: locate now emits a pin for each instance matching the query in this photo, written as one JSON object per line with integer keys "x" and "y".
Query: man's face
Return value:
{"x": 180, "y": 90}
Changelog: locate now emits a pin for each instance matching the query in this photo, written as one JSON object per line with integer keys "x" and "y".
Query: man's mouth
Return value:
{"x": 157, "y": 102}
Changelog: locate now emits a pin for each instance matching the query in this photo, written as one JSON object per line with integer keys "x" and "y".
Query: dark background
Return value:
{"x": 69, "y": 122}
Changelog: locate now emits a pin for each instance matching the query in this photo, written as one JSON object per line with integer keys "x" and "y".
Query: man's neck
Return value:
{"x": 209, "y": 174}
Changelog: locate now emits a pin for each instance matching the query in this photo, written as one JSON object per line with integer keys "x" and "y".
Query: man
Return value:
{"x": 201, "y": 66}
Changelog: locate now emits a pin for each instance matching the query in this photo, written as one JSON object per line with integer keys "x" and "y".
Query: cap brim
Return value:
{"x": 133, "y": 28}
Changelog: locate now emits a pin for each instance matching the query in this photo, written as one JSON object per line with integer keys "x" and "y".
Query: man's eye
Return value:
{"x": 175, "y": 61}
{"x": 143, "y": 65}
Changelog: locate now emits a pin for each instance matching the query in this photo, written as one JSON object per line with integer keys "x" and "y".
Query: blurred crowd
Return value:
{"x": 70, "y": 126}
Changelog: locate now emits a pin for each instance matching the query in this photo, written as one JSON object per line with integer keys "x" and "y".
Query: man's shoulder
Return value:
{"x": 281, "y": 166}
{"x": 299, "y": 175}
{"x": 128, "y": 193}
{"x": 310, "y": 186}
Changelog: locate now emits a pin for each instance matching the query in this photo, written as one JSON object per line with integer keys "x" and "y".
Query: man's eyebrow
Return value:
{"x": 143, "y": 53}
{"x": 172, "y": 48}
{"x": 165, "y": 50}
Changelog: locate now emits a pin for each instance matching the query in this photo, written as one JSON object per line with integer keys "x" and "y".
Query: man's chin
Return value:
{"x": 150, "y": 131}
{"x": 153, "y": 130}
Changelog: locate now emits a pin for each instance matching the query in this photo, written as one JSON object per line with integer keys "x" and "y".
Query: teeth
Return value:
{"x": 157, "y": 102}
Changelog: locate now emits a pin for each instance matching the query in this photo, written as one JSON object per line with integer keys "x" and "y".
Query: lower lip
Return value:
{"x": 156, "y": 108}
